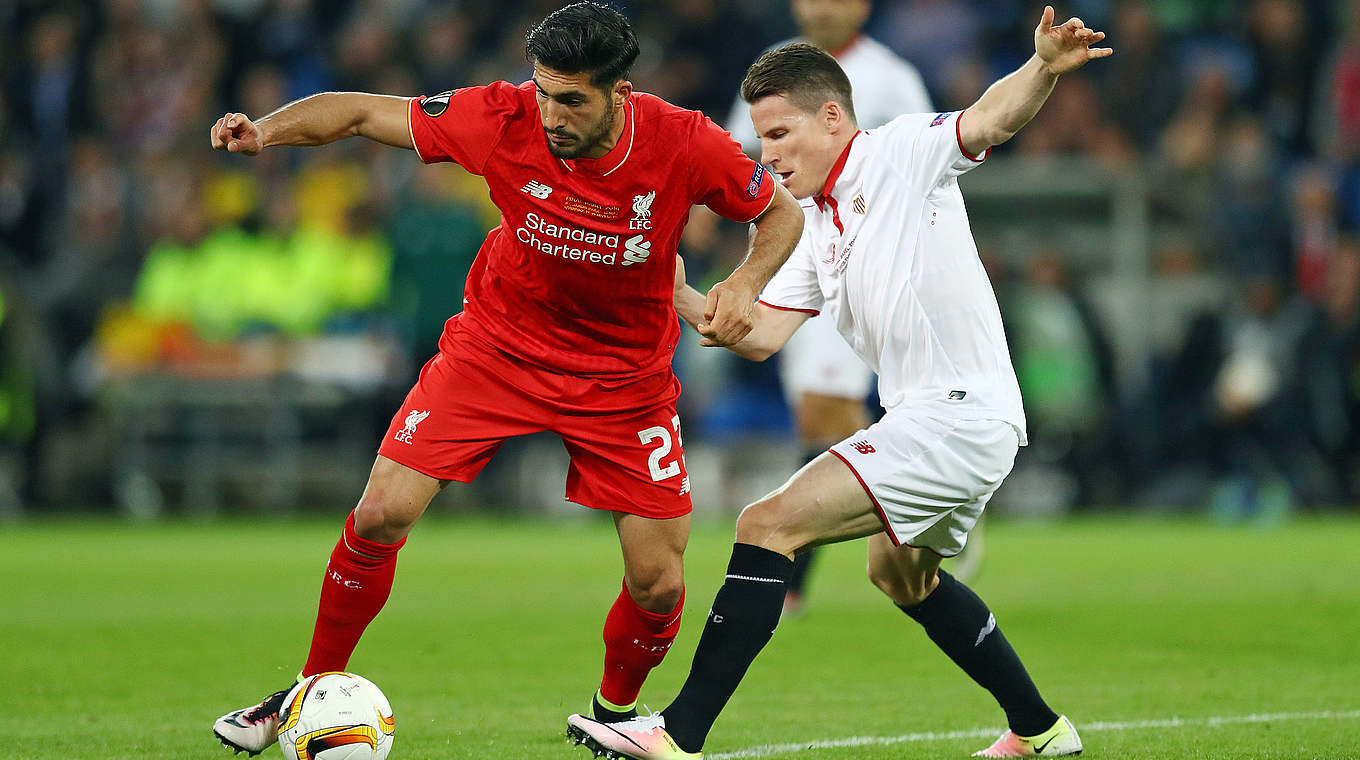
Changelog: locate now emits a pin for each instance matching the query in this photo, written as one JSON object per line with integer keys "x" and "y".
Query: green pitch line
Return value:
{"x": 1156, "y": 636}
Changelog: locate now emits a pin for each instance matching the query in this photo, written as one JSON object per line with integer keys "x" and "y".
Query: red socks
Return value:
{"x": 358, "y": 580}
{"x": 635, "y": 641}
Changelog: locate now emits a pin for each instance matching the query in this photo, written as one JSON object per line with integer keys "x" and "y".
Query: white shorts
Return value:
{"x": 930, "y": 478}
{"x": 818, "y": 360}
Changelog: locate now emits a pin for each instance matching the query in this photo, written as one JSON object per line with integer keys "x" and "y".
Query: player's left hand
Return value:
{"x": 730, "y": 312}
{"x": 1067, "y": 47}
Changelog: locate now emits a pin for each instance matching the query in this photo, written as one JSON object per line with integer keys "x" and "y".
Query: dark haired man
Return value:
{"x": 888, "y": 253}
{"x": 568, "y": 322}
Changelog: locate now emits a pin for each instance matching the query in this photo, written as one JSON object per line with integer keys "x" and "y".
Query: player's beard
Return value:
{"x": 585, "y": 142}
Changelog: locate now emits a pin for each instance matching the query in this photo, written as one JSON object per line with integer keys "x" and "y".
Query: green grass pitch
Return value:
{"x": 1160, "y": 638}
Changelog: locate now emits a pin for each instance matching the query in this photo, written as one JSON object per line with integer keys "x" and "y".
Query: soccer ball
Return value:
{"x": 336, "y": 716}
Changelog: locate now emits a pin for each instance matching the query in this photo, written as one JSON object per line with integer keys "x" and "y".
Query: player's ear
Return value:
{"x": 623, "y": 89}
{"x": 833, "y": 116}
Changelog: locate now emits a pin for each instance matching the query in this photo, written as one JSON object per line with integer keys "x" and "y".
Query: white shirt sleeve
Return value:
{"x": 928, "y": 147}
{"x": 794, "y": 287}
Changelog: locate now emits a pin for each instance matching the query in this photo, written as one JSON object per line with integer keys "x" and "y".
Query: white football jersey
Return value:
{"x": 887, "y": 252}
{"x": 883, "y": 87}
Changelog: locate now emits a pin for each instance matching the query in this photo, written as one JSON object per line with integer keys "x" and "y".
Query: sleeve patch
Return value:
{"x": 939, "y": 119}
{"x": 436, "y": 105}
{"x": 753, "y": 187}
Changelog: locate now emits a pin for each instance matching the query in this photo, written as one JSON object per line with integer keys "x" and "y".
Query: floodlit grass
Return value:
{"x": 126, "y": 641}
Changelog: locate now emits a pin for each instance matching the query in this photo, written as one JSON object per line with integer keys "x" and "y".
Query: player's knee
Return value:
{"x": 657, "y": 592}
{"x": 376, "y": 519}
{"x": 767, "y": 524}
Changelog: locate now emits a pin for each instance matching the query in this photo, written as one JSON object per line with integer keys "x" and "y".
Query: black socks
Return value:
{"x": 960, "y": 624}
{"x": 743, "y": 618}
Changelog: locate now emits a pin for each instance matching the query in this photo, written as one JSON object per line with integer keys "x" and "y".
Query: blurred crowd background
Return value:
{"x": 1173, "y": 241}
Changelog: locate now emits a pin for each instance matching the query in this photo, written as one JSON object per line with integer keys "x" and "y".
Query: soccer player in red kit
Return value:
{"x": 568, "y": 322}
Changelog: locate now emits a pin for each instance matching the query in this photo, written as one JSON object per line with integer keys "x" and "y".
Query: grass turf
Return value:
{"x": 125, "y": 641}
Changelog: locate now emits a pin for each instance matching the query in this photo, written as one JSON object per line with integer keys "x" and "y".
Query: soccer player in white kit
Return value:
{"x": 824, "y": 380}
{"x": 890, "y": 257}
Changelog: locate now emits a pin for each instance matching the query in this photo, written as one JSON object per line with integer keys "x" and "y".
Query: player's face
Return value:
{"x": 578, "y": 117}
{"x": 800, "y": 147}
{"x": 830, "y": 24}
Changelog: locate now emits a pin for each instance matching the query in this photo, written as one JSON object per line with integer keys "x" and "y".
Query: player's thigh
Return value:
{"x": 394, "y": 498}
{"x": 466, "y": 402}
{"x": 628, "y": 460}
{"x": 822, "y": 503}
{"x": 905, "y": 573}
{"x": 653, "y": 558}
{"x": 930, "y": 477}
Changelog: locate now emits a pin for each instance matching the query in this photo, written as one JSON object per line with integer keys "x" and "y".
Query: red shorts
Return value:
{"x": 623, "y": 435}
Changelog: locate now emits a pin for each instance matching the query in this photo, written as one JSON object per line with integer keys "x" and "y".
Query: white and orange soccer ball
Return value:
{"x": 336, "y": 716}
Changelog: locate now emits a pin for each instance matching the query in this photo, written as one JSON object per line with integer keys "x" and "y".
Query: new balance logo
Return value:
{"x": 537, "y": 189}
{"x": 957, "y": 395}
{"x": 863, "y": 447}
{"x": 636, "y": 250}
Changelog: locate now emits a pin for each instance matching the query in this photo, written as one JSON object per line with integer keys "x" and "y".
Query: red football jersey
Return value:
{"x": 579, "y": 276}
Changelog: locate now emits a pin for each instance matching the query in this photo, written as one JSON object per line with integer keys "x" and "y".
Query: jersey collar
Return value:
{"x": 836, "y": 170}
{"x": 824, "y": 199}
{"x": 617, "y": 155}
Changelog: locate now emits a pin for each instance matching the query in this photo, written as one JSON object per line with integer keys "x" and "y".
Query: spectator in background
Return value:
{"x": 1329, "y": 363}
{"x": 435, "y": 237}
{"x": 1245, "y": 215}
{"x": 1144, "y": 75}
{"x": 1338, "y": 125}
{"x": 912, "y": 29}
{"x": 1062, "y": 366}
{"x": 1189, "y": 140}
{"x": 1313, "y": 229}
{"x": 91, "y": 262}
{"x": 50, "y": 92}
{"x": 1286, "y": 61}
{"x": 1265, "y": 461}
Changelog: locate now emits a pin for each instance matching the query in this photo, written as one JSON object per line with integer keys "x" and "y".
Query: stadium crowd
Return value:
{"x": 129, "y": 248}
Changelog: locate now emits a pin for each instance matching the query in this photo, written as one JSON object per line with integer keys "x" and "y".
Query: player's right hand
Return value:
{"x": 236, "y": 133}
{"x": 729, "y": 312}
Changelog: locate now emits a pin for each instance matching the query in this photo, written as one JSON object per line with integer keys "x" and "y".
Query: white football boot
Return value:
{"x": 642, "y": 738}
{"x": 252, "y": 729}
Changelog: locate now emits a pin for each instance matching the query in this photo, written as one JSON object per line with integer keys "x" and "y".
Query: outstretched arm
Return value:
{"x": 770, "y": 328}
{"x": 318, "y": 120}
{"x": 1012, "y": 101}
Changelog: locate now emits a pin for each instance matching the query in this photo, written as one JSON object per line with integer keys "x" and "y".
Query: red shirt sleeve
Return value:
{"x": 724, "y": 178}
{"x": 464, "y": 125}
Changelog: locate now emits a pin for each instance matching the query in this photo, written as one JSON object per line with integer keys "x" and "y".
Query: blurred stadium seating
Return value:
{"x": 1173, "y": 239}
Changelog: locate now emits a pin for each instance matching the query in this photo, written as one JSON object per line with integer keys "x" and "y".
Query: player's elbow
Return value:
{"x": 998, "y": 135}
{"x": 759, "y": 353}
